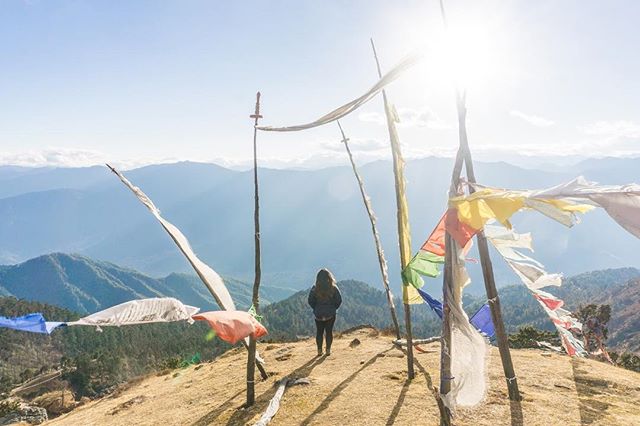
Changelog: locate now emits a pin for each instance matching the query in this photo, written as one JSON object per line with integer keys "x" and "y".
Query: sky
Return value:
{"x": 139, "y": 82}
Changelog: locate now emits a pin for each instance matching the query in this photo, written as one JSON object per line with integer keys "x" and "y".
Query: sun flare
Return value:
{"x": 466, "y": 54}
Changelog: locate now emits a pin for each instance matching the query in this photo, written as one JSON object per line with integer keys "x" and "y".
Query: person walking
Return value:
{"x": 325, "y": 299}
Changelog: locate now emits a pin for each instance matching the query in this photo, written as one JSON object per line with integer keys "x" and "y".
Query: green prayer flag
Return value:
{"x": 424, "y": 263}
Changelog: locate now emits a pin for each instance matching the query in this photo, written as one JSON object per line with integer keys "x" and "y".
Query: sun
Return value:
{"x": 466, "y": 54}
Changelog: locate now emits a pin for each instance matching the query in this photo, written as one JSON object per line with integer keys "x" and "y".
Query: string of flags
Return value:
{"x": 534, "y": 277}
{"x": 469, "y": 214}
{"x": 426, "y": 262}
{"x": 230, "y": 326}
{"x": 561, "y": 203}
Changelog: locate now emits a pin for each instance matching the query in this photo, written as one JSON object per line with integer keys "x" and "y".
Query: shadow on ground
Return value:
{"x": 590, "y": 391}
{"x": 241, "y": 416}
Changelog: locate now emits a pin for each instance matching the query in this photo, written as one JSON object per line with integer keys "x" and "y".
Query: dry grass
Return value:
{"x": 56, "y": 402}
{"x": 366, "y": 384}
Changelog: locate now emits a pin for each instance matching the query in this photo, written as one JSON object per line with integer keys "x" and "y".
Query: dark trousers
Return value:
{"x": 324, "y": 327}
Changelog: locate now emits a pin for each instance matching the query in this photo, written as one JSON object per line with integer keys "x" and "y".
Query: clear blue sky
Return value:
{"x": 141, "y": 81}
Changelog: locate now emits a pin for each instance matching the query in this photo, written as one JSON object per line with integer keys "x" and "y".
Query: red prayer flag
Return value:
{"x": 459, "y": 231}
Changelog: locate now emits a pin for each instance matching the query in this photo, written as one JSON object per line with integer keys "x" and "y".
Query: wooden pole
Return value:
{"x": 404, "y": 235}
{"x": 251, "y": 359}
{"x": 487, "y": 269}
{"x": 464, "y": 153}
{"x": 376, "y": 236}
{"x": 445, "y": 346}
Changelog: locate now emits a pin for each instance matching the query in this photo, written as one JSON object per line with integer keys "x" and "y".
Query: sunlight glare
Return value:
{"x": 466, "y": 54}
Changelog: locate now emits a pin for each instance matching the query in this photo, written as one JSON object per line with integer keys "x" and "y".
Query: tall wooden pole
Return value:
{"x": 251, "y": 361}
{"x": 404, "y": 234}
{"x": 487, "y": 268}
{"x": 376, "y": 236}
{"x": 483, "y": 249}
{"x": 445, "y": 344}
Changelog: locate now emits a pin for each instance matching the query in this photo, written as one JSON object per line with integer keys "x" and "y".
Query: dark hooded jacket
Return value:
{"x": 325, "y": 308}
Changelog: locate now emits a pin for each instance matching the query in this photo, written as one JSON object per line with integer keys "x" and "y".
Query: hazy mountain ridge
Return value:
{"x": 84, "y": 285}
{"x": 305, "y": 216}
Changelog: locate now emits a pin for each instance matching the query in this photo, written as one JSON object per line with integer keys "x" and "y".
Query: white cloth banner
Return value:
{"x": 143, "y": 311}
{"x": 209, "y": 277}
{"x": 468, "y": 348}
{"x": 406, "y": 63}
{"x": 530, "y": 271}
{"x": 621, "y": 202}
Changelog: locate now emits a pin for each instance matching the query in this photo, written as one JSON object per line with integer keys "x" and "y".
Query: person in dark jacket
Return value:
{"x": 325, "y": 299}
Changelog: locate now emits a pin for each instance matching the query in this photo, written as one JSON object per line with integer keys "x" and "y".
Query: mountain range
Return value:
{"x": 85, "y": 286}
{"x": 309, "y": 218}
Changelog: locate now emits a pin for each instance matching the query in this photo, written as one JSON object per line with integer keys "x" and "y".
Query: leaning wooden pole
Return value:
{"x": 404, "y": 234}
{"x": 376, "y": 236}
{"x": 447, "y": 283}
{"x": 483, "y": 248}
{"x": 487, "y": 268}
{"x": 251, "y": 359}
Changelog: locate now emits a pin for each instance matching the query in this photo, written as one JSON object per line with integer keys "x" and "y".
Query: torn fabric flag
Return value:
{"x": 209, "y": 277}
{"x": 232, "y": 326}
{"x": 33, "y": 323}
{"x": 621, "y": 202}
{"x": 561, "y": 203}
{"x": 476, "y": 209}
{"x": 351, "y": 106}
{"x": 534, "y": 277}
{"x": 530, "y": 271}
{"x": 143, "y": 311}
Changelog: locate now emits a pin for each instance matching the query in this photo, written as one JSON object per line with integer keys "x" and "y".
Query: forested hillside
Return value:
{"x": 619, "y": 288}
{"x": 362, "y": 304}
{"x": 96, "y": 360}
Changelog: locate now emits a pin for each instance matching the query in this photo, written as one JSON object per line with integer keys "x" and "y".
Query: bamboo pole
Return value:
{"x": 404, "y": 235}
{"x": 376, "y": 236}
{"x": 251, "y": 359}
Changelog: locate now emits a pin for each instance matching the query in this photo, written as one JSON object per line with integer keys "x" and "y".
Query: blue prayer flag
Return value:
{"x": 34, "y": 323}
{"x": 482, "y": 321}
{"x": 433, "y": 303}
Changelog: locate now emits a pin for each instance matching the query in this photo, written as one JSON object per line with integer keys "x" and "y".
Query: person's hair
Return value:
{"x": 325, "y": 284}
